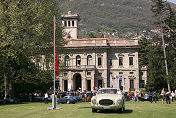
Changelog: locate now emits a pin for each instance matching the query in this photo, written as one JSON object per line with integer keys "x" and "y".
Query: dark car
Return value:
{"x": 11, "y": 100}
{"x": 78, "y": 98}
{"x": 2, "y": 101}
{"x": 67, "y": 99}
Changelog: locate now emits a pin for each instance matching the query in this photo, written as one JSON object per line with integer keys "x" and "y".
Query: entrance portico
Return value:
{"x": 77, "y": 81}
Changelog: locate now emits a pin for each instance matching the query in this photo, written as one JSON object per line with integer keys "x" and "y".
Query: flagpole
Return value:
{"x": 54, "y": 99}
{"x": 55, "y": 72}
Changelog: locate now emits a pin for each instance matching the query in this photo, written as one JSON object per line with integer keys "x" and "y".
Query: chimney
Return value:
{"x": 69, "y": 13}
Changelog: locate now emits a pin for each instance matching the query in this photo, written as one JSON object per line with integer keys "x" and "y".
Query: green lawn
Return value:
{"x": 83, "y": 110}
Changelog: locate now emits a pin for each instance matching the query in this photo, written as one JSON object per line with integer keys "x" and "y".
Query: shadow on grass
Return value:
{"x": 127, "y": 111}
{"x": 84, "y": 107}
{"x": 18, "y": 103}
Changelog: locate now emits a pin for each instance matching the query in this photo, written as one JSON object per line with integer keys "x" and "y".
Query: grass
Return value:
{"x": 83, "y": 110}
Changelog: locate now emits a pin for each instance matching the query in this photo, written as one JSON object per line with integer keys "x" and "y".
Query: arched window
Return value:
{"x": 89, "y": 60}
{"x": 67, "y": 61}
{"x": 78, "y": 60}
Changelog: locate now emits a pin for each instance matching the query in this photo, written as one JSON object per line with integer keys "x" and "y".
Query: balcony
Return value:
{"x": 81, "y": 67}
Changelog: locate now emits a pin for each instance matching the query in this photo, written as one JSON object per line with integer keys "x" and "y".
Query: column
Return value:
{"x": 61, "y": 84}
{"x": 83, "y": 83}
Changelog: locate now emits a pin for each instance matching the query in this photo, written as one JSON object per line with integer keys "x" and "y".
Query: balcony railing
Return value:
{"x": 80, "y": 67}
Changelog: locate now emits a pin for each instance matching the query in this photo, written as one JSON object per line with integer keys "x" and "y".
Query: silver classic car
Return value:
{"x": 108, "y": 99}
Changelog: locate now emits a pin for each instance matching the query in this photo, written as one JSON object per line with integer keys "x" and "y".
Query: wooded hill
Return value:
{"x": 120, "y": 16}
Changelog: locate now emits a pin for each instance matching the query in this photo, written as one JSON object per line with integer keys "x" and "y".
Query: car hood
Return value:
{"x": 108, "y": 96}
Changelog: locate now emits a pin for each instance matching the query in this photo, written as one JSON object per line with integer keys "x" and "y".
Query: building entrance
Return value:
{"x": 77, "y": 82}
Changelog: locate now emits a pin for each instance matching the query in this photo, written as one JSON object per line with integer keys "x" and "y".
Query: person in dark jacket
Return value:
{"x": 154, "y": 96}
{"x": 168, "y": 97}
{"x": 150, "y": 97}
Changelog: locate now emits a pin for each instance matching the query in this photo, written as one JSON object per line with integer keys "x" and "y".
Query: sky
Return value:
{"x": 173, "y": 1}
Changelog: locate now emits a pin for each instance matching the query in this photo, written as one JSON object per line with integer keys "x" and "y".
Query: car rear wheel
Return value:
{"x": 94, "y": 110}
{"x": 68, "y": 102}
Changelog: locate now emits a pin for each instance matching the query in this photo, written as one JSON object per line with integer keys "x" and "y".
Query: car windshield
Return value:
{"x": 109, "y": 91}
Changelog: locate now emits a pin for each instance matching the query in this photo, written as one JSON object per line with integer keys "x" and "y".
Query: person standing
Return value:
{"x": 46, "y": 98}
{"x": 154, "y": 96}
{"x": 163, "y": 95}
{"x": 150, "y": 97}
{"x": 129, "y": 96}
{"x": 168, "y": 97}
{"x": 173, "y": 95}
{"x": 85, "y": 97}
{"x": 135, "y": 96}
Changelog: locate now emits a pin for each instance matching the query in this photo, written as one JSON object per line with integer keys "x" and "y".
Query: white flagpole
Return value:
{"x": 54, "y": 89}
{"x": 54, "y": 99}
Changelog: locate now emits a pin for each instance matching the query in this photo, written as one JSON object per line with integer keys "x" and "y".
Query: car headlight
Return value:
{"x": 119, "y": 100}
{"x": 94, "y": 101}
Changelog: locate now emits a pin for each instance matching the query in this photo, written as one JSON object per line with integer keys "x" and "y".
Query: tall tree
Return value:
{"x": 26, "y": 30}
{"x": 163, "y": 44}
{"x": 160, "y": 10}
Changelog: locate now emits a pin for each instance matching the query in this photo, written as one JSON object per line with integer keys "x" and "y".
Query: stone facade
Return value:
{"x": 92, "y": 61}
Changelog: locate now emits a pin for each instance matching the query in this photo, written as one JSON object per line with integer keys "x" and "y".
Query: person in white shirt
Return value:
{"x": 173, "y": 95}
{"x": 46, "y": 98}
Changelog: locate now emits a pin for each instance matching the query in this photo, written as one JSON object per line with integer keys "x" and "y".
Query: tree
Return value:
{"x": 163, "y": 43}
{"x": 26, "y": 30}
{"x": 145, "y": 48}
{"x": 160, "y": 10}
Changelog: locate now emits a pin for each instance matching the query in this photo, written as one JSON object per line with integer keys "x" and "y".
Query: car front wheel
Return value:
{"x": 94, "y": 110}
{"x": 68, "y": 102}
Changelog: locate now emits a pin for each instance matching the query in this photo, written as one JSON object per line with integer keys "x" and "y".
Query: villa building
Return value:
{"x": 99, "y": 62}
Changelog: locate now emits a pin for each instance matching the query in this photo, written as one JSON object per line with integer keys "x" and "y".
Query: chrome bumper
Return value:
{"x": 110, "y": 107}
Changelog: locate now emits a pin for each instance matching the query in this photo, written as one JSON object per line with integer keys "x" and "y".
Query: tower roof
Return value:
{"x": 70, "y": 16}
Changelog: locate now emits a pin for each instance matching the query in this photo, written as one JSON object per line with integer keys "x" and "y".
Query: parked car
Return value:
{"x": 2, "y": 101}
{"x": 49, "y": 99}
{"x": 108, "y": 99}
{"x": 67, "y": 99}
{"x": 11, "y": 100}
{"x": 145, "y": 97}
{"x": 78, "y": 98}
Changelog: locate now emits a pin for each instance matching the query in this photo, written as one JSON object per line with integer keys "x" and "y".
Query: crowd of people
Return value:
{"x": 150, "y": 96}
{"x": 169, "y": 96}
{"x": 135, "y": 96}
